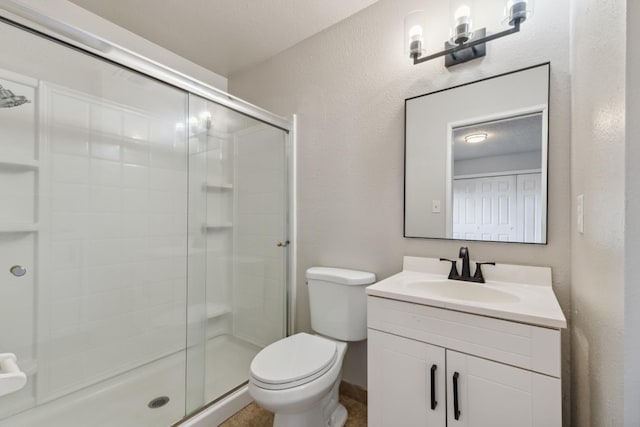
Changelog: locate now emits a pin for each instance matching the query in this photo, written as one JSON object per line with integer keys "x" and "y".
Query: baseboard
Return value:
{"x": 354, "y": 392}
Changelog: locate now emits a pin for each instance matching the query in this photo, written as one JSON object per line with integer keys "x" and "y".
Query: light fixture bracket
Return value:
{"x": 471, "y": 49}
{"x": 466, "y": 54}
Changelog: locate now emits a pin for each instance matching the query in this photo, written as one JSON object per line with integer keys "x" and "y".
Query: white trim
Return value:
{"x": 293, "y": 224}
{"x": 504, "y": 115}
{"x": 500, "y": 173}
{"x": 448, "y": 183}
{"x": 219, "y": 412}
{"x": 18, "y": 78}
{"x": 544, "y": 173}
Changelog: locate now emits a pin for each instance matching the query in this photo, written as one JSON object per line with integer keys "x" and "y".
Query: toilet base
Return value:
{"x": 327, "y": 413}
{"x": 339, "y": 417}
{"x": 315, "y": 416}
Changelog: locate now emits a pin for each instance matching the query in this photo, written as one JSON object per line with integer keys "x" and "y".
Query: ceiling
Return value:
{"x": 505, "y": 136}
{"x": 225, "y": 36}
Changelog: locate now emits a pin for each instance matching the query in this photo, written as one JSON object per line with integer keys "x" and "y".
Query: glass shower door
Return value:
{"x": 143, "y": 250}
{"x": 93, "y": 242}
{"x": 238, "y": 247}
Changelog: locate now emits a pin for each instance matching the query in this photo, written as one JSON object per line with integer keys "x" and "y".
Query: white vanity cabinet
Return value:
{"x": 406, "y": 382}
{"x": 507, "y": 373}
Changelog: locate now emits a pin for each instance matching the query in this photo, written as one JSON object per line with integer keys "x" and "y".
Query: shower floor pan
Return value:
{"x": 123, "y": 401}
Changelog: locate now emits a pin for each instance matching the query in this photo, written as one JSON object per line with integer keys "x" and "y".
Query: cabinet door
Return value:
{"x": 401, "y": 372}
{"x": 490, "y": 394}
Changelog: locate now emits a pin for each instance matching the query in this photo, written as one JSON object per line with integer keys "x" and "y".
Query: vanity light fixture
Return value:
{"x": 475, "y": 138}
{"x": 465, "y": 43}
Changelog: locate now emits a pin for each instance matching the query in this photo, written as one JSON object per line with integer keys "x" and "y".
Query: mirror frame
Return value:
{"x": 544, "y": 109}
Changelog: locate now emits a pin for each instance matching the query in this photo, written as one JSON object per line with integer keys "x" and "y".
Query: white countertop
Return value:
{"x": 505, "y": 295}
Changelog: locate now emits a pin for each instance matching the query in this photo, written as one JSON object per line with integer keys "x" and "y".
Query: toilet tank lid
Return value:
{"x": 341, "y": 275}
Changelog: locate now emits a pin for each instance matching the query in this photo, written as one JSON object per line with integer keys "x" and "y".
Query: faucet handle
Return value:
{"x": 478, "y": 277}
{"x": 464, "y": 252}
{"x": 454, "y": 269}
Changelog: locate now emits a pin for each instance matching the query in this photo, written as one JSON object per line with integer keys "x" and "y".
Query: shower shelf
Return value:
{"x": 19, "y": 164}
{"x": 218, "y": 186}
{"x": 217, "y": 310}
{"x": 18, "y": 228}
{"x": 218, "y": 225}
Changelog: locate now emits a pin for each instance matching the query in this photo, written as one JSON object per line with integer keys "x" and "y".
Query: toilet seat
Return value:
{"x": 292, "y": 361}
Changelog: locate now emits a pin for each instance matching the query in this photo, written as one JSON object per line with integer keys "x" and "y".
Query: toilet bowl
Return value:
{"x": 298, "y": 377}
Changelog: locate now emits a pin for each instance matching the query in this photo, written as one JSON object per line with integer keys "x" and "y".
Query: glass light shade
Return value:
{"x": 518, "y": 10}
{"x": 461, "y": 28}
{"x": 415, "y": 25}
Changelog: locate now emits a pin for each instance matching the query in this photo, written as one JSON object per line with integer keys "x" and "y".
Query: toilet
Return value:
{"x": 298, "y": 377}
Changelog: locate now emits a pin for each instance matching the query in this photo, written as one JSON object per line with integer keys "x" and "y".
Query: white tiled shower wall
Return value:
{"x": 114, "y": 223}
{"x": 17, "y": 202}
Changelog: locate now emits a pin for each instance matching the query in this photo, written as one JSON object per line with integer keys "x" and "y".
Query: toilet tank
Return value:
{"x": 338, "y": 302}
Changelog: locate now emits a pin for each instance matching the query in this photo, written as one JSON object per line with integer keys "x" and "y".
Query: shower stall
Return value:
{"x": 143, "y": 238}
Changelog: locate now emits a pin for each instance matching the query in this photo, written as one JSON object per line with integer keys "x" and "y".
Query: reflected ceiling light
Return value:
{"x": 8, "y": 99}
{"x": 474, "y": 138}
{"x": 464, "y": 43}
{"x": 205, "y": 119}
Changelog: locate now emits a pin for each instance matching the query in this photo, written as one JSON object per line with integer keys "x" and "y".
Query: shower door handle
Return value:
{"x": 283, "y": 245}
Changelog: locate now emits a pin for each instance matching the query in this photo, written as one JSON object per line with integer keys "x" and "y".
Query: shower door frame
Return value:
{"x": 31, "y": 20}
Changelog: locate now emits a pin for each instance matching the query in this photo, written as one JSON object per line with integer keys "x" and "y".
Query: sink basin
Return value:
{"x": 518, "y": 293}
{"x": 464, "y": 291}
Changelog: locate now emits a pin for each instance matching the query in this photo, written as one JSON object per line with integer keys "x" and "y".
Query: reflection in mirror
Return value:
{"x": 476, "y": 160}
{"x": 498, "y": 160}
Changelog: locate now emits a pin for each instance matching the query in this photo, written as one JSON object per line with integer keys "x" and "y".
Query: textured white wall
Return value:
{"x": 598, "y": 157}
{"x": 348, "y": 85}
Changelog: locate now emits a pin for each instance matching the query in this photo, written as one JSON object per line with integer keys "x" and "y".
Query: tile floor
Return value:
{"x": 254, "y": 416}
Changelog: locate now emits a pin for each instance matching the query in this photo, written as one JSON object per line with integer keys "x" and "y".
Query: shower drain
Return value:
{"x": 158, "y": 402}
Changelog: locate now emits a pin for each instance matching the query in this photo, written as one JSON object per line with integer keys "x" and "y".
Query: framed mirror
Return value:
{"x": 476, "y": 160}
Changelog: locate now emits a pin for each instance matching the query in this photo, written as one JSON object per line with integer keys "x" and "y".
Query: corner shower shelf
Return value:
{"x": 18, "y": 228}
{"x": 216, "y": 310}
{"x": 218, "y": 186}
{"x": 19, "y": 164}
{"x": 218, "y": 225}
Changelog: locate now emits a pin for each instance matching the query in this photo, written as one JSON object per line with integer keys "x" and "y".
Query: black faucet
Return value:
{"x": 466, "y": 270}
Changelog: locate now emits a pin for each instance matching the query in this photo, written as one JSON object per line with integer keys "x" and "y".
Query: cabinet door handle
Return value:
{"x": 434, "y": 403}
{"x": 456, "y": 407}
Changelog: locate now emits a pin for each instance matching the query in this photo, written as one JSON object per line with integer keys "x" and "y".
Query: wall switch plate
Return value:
{"x": 435, "y": 206}
{"x": 580, "y": 213}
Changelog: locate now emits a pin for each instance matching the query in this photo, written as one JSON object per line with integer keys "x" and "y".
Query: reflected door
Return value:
{"x": 485, "y": 208}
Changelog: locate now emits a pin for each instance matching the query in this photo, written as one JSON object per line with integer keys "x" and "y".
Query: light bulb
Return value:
{"x": 414, "y": 26}
{"x": 205, "y": 119}
{"x": 517, "y": 11}
{"x": 415, "y": 33}
{"x": 461, "y": 30}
